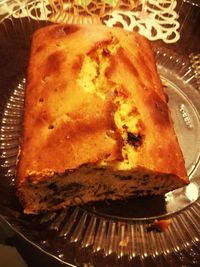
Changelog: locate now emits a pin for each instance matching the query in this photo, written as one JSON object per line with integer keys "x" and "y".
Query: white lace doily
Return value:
{"x": 155, "y": 19}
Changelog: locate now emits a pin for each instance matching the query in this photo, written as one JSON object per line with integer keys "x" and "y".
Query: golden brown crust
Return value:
{"x": 66, "y": 126}
{"x": 52, "y": 96}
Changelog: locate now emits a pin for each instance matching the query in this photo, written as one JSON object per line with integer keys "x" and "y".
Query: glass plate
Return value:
{"x": 113, "y": 232}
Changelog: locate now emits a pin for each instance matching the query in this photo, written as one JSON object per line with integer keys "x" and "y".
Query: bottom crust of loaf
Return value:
{"x": 90, "y": 183}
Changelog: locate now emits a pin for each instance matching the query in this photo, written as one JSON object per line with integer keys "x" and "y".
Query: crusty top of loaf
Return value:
{"x": 68, "y": 122}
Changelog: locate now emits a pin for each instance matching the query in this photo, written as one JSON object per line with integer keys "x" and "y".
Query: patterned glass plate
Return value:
{"x": 117, "y": 233}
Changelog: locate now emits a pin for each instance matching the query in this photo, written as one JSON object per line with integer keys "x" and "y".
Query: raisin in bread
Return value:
{"x": 96, "y": 123}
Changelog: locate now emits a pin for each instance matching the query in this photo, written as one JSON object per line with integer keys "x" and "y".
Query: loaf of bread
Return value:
{"x": 96, "y": 123}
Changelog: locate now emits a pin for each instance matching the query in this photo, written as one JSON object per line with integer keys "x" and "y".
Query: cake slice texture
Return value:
{"x": 96, "y": 123}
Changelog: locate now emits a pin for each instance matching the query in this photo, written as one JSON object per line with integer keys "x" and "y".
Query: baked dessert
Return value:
{"x": 96, "y": 123}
